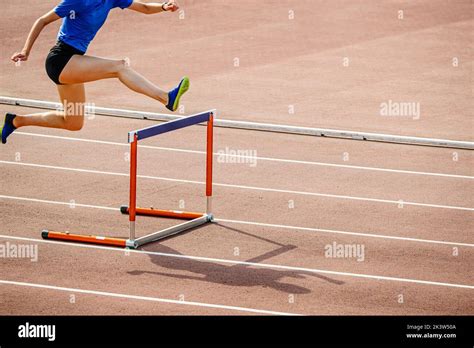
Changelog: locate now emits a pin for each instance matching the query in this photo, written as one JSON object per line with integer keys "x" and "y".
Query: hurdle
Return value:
{"x": 193, "y": 219}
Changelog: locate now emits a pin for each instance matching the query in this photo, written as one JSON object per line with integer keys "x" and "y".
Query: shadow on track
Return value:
{"x": 234, "y": 275}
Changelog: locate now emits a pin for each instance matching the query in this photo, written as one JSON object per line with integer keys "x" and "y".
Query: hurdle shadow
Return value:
{"x": 239, "y": 275}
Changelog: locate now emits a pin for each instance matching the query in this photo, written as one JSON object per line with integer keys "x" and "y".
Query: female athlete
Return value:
{"x": 69, "y": 67}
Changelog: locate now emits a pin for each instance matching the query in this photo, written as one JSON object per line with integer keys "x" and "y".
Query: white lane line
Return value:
{"x": 270, "y": 159}
{"x": 35, "y": 200}
{"x": 243, "y": 187}
{"x": 286, "y": 227}
{"x": 246, "y": 263}
{"x": 309, "y": 229}
{"x": 143, "y": 298}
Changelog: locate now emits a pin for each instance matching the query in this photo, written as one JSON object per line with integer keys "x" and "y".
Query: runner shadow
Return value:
{"x": 281, "y": 250}
{"x": 232, "y": 275}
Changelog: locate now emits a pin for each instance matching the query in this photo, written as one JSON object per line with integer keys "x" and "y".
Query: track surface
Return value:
{"x": 409, "y": 207}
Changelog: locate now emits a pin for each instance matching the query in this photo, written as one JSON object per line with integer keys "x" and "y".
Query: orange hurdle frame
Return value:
{"x": 193, "y": 219}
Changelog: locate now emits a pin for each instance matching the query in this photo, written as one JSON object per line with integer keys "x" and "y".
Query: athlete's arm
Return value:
{"x": 33, "y": 35}
{"x": 153, "y": 7}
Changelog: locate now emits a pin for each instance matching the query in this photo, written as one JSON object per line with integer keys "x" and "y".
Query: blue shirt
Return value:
{"x": 82, "y": 19}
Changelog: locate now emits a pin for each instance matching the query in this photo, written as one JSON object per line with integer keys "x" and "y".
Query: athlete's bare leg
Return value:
{"x": 81, "y": 69}
{"x": 73, "y": 99}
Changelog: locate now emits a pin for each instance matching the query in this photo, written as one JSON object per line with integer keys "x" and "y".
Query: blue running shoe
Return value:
{"x": 175, "y": 95}
{"x": 8, "y": 127}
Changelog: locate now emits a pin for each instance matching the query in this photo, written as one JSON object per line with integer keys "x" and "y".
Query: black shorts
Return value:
{"x": 57, "y": 59}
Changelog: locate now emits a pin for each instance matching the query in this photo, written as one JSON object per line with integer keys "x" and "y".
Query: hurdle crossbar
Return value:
{"x": 169, "y": 126}
{"x": 265, "y": 127}
{"x": 194, "y": 219}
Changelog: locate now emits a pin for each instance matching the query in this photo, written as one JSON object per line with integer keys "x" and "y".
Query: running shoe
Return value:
{"x": 7, "y": 127}
{"x": 175, "y": 95}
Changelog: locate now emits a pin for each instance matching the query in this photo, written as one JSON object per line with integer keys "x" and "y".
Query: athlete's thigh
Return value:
{"x": 81, "y": 69}
{"x": 73, "y": 98}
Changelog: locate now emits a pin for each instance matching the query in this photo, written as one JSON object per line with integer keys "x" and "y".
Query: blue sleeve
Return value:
{"x": 66, "y": 7}
{"x": 123, "y": 3}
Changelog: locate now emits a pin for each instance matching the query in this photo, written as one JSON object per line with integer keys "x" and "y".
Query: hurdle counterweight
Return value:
{"x": 70, "y": 237}
{"x": 173, "y": 214}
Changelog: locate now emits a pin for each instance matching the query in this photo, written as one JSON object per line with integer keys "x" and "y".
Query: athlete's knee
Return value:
{"x": 74, "y": 123}
{"x": 74, "y": 126}
{"x": 121, "y": 66}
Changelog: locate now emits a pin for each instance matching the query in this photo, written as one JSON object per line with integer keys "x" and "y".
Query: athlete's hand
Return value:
{"x": 171, "y": 5}
{"x": 20, "y": 56}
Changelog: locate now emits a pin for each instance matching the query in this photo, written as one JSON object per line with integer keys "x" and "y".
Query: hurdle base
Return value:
{"x": 127, "y": 243}
{"x": 90, "y": 239}
{"x": 170, "y": 231}
{"x": 172, "y": 214}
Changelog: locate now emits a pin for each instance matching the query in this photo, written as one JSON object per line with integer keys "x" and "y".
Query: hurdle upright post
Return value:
{"x": 133, "y": 185}
{"x": 210, "y": 154}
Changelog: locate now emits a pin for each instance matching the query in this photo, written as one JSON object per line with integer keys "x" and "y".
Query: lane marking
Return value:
{"x": 309, "y": 229}
{"x": 143, "y": 298}
{"x": 243, "y": 187}
{"x": 270, "y": 159}
{"x": 35, "y": 200}
{"x": 246, "y": 263}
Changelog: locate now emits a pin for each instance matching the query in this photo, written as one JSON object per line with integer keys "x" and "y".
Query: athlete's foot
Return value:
{"x": 7, "y": 127}
{"x": 175, "y": 95}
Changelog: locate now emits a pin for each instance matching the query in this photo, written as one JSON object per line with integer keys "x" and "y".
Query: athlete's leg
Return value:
{"x": 73, "y": 99}
{"x": 81, "y": 69}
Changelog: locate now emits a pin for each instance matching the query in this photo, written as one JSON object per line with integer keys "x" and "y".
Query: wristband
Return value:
{"x": 163, "y": 6}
